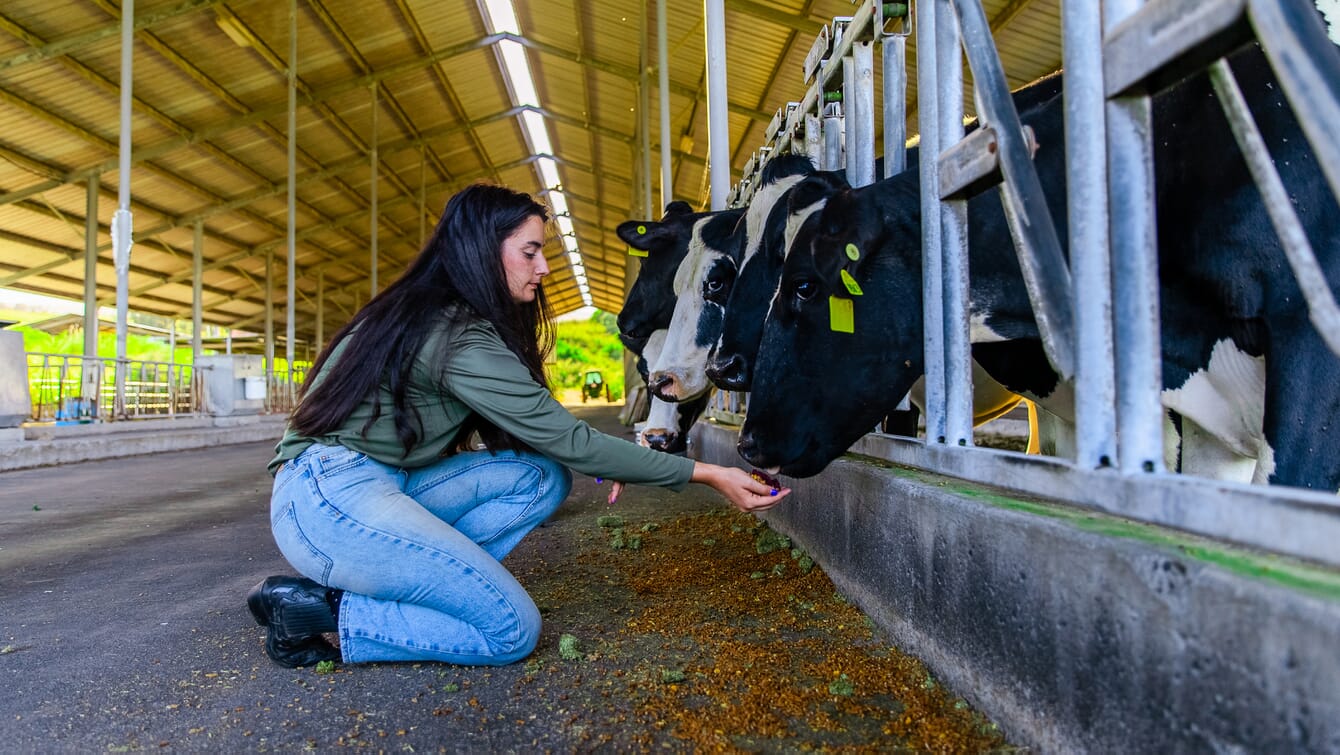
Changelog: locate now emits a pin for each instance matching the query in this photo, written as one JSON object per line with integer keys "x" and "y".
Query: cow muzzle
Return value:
{"x": 658, "y": 438}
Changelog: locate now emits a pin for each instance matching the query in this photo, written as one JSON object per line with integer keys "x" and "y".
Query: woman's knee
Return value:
{"x": 555, "y": 481}
{"x": 521, "y": 642}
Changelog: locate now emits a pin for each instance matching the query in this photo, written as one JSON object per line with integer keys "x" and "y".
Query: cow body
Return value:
{"x": 1249, "y": 381}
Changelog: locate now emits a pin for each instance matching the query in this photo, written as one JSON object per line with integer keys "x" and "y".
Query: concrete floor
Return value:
{"x": 123, "y": 625}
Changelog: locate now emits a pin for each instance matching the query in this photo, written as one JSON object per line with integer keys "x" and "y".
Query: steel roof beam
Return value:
{"x": 79, "y": 42}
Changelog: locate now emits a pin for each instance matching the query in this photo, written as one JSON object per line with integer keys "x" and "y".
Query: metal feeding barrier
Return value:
{"x": 1117, "y": 54}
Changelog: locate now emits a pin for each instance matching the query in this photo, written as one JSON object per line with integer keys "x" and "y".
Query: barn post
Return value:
{"x": 320, "y": 309}
{"x": 423, "y": 194}
{"x": 718, "y": 115}
{"x": 123, "y": 221}
{"x": 931, "y": 260}
{"x": 372, "y": 196}
{"x": 644, "y": 110}
{"x": 197, "y": 316}
{"x": 1090, "y": 261}
{"x": 290, "y": 298}
{"x": 663, "y": 92}
{"x": 269, "y": 322}
{"x": 1135, "y": 310}
{"x": 92, "y": 370}
{"x": 954, "y": 233}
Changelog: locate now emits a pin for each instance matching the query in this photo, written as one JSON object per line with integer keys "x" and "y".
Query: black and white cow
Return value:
{"x": 648, "y": 309}
{"x": 1253, "y": 385}
{"x": 731, "y": 357}
{"x": 662, "y": 245}
{"x": 706, "y": 280}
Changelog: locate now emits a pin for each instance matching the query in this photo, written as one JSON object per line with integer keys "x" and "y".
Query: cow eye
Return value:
{"x": 713, "y": 285}
{"x": 806, "y": 290}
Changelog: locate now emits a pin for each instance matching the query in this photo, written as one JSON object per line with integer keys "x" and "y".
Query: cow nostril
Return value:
{"x": 729, "y": 374}
{"x": 746, "y": 445}
{"x": 660, "y": 384}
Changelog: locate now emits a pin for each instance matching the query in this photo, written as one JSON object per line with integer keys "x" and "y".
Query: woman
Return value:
{"x": 380, "y": 497}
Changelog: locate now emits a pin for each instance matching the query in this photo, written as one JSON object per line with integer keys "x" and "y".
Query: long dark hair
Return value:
{"x": 461, "y": 264}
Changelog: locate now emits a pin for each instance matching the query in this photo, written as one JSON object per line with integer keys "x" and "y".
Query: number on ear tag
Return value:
{"x": 853, "y": 287}
{"x": 632, "y": 252}
{"x": 841, "y": 318}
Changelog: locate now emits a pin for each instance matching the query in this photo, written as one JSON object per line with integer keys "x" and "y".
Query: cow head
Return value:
{"x": 667, "y": 426}
{"x": 701, "y": 285}
{"x": 818, "y": 388}
{"x": 651, "y": 299}
{"x": 729, "y": 365}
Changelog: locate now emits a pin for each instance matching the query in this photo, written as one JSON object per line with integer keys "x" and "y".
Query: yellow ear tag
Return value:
{"x": 840, "y": 315}
{"x": 642, "y": 230}
{"x": 852, "y": 287}
{"x": 636, "y": 252}
{"x": 853, "y": 253}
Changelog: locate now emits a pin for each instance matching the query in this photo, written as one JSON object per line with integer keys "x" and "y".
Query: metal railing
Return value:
{"x": 72, "y": 388}
{"x": 1119, "y": 465}
{"x": 75, "y": 388}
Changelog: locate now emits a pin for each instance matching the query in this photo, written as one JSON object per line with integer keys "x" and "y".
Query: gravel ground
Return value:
{"x": 671, "y": 622}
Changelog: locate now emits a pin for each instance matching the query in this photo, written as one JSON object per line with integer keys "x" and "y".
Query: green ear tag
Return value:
{"x": 641, "y": 230}
{"x": 840, "y": 316}
{"x": 853, "y": 253}
{"x": 636, "y": 252}
{"x": 852, "y": 287}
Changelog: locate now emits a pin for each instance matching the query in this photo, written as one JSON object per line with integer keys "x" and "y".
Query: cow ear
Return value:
{"x": 678, "y": 207}
{"x": 815, "y": 188}
{"x": 639, "y": 234}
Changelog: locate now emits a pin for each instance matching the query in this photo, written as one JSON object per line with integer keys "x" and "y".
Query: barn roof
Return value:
{"x": 210, "y": 120}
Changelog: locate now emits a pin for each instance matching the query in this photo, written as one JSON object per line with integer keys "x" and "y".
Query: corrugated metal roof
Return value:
{"x": 210, "y": 131}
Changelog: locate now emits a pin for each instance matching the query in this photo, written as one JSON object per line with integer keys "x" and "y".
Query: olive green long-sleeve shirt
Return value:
{"x": 481, "y": 375}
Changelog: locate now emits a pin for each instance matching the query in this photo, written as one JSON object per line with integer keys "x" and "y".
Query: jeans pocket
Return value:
{"x": 335, "y": 460}
{"x": 309, "y": 560}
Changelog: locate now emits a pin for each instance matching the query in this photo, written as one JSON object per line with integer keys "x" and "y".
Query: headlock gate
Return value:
{"x": 1098, "y": 315}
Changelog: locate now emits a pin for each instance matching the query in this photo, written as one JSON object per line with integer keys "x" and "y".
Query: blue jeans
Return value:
{"x": 417, "y": 550}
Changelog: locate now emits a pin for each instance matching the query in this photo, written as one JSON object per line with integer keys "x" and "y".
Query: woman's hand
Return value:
{"x": 740, "y": 488}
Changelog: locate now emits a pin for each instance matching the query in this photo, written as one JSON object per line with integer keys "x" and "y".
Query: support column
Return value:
{"x": 269, "y": 312}
{"x": 197, "y": 289}
{"x": 122, "y": 221}
{"x": 644, "y": 112}
{"x": 290, "y": 296}
{"x": 91, "y": 374}
{"x": 423, "y": 195}
{"x": 197, "y": 319}
{"x": 718, "y": 116}
{"x": 663, "y": 79}
{"x": 320, "y": 309}
{"x": 91, "y": 269}
{"x": 372, "y": 191}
